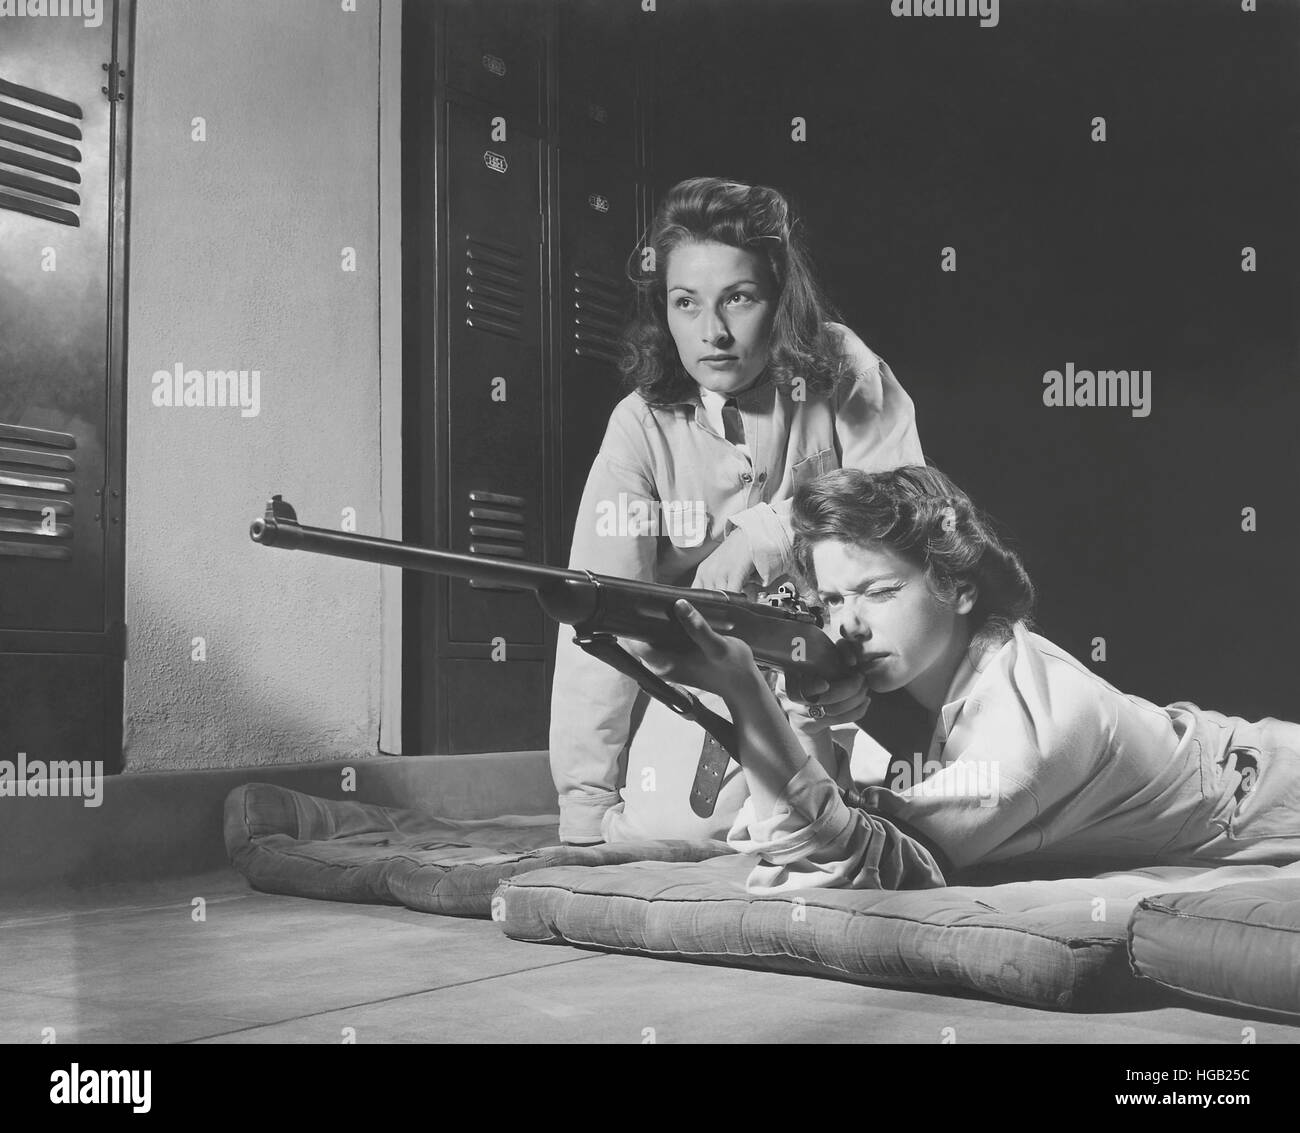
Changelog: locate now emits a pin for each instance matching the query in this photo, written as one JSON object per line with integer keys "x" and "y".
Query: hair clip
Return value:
{"x": 948, "y": 519}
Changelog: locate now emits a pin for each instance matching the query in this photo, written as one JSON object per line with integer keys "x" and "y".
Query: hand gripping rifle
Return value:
{"x": 783, "y": 633}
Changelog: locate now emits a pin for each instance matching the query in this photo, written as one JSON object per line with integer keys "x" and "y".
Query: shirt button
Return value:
{"x": 762, "y": 477}
{"x": 746, "y": 477}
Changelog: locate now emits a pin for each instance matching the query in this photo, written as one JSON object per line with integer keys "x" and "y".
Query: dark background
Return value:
{"x": 926, "y": 132}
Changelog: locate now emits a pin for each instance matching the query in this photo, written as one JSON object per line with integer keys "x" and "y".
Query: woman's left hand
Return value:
{"x": 840, "y": 702}
{"x": 713, "y": 662}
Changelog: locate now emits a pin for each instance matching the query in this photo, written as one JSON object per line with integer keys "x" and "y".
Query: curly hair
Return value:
{"x": 711, "y": 209}
{"x": 923, "y": 516}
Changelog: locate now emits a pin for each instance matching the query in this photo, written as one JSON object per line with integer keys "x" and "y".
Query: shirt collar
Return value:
{"x": 709, "y": 410}
{"x": 963, "y": 683}
{"x": 712, "y": 399}
{"x": 753, "y": 400}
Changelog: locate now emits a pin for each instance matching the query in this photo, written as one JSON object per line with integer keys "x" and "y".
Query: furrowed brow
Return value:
{"x": 858, "y": 586}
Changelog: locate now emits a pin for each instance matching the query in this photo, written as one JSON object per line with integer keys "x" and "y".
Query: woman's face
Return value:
{"x": 888, "y": 620}
{"x": 721, "y": 302}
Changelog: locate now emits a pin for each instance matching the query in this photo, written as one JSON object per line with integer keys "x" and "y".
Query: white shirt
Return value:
{"x": 1035, "y": 754}
{"x": 678, "y": 455}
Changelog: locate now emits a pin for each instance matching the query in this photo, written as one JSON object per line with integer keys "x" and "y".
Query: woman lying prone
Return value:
{"x": 1031, "y": 753}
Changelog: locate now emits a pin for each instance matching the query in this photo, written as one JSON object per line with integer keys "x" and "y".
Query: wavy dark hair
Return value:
{"x": 923, "y": 516}
{"x": 711, "y": 209}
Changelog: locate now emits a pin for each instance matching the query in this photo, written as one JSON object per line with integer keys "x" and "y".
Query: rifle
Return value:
{"x": 783, "y": 633}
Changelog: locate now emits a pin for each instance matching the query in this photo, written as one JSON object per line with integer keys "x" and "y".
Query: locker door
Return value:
{"x": 529, "y": 289}
{"x": 54, "y": 195}
{"x": 495, "y": 368}
{"x": 598, "y": 231}
{"x": 61, "y": 597}
{"x": 495, "y": 51}
{"x": 597, "y": 78}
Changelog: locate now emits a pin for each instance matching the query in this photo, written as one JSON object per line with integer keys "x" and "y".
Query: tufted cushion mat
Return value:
{"x": 1238, "y": 945}
{"x": 1048, "y": 943}
{"x": 284, "y": 841}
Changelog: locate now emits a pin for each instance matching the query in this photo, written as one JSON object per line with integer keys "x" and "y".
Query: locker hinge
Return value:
{"x": 114, "y": 91}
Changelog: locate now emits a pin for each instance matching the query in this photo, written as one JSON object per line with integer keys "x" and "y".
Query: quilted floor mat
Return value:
{"x": 285, "y": 841}
{"x": 1058, "y": 944}
{"x": 1236, "y": 946}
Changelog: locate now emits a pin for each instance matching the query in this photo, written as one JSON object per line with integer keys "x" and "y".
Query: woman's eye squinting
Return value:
{"x": 883, "y": 592}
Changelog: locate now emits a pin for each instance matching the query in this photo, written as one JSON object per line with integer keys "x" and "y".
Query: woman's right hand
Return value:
{"x": 818, "y": 705}
{"x": 729, "y": 566}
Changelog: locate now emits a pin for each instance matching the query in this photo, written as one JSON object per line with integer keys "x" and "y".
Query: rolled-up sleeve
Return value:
{"x": 875, "y": 420}
{"x": 767, "y": 527}
{"x": 812, "y": 840}
{"x": 875, "y": 430}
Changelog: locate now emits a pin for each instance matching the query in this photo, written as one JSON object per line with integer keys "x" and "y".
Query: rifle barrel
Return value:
{"x": 276, "y": 531}
{"x": 621, "y": 606}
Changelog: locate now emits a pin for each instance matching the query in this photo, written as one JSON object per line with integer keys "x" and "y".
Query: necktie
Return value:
{"x": 732, "y": 426}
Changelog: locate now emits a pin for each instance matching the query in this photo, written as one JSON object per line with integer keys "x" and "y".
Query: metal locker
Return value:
{"x": 495, "y": 51}
{"x": 495, "y": 707}
{"x": 62, "y": 206}
{"x": 503, "y": 280}
{"x": 596, "y": 66}
{"x": 495, "y": 368}
{"x": 54, "y": 192}
{"x": 598, "y": 232}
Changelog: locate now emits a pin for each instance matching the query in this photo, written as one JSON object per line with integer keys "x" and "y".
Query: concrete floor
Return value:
{"x": 128, "y": 963}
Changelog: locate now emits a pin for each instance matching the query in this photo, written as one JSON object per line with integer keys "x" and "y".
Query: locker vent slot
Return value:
{"x": 36, "y": 526}
{"x": 31, "y": 126}
{"x": 496, "y": 530}
{"x": 494, "y": 286}
{"x": 597, "y": 317}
